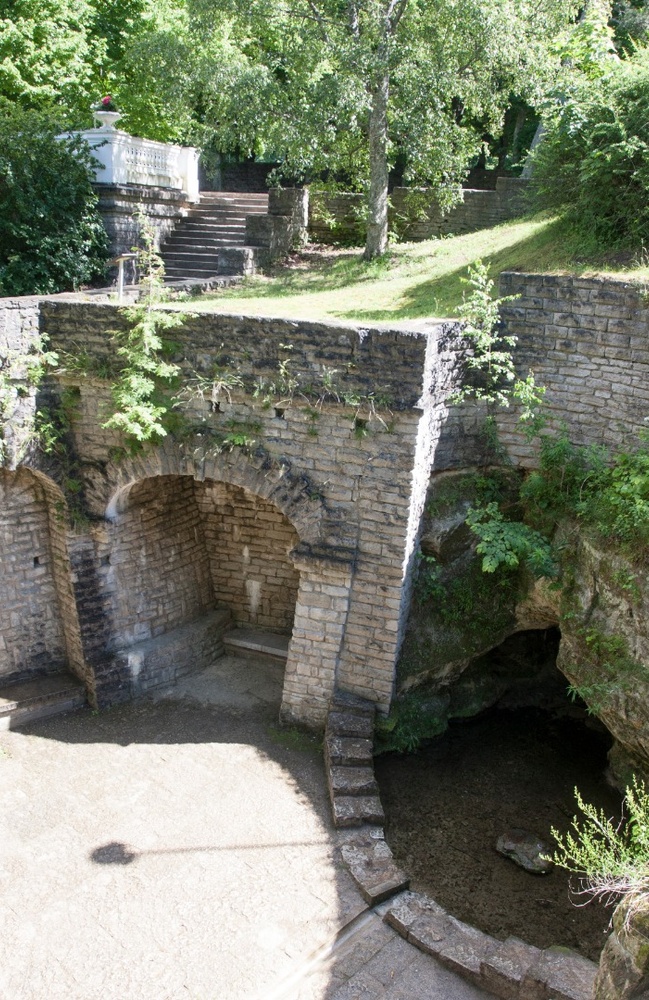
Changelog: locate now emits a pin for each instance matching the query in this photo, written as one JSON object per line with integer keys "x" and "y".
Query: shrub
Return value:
{"x": 594, "y": 158}
{"x": 51, "y": 235}
{"x": 612, "y": 860}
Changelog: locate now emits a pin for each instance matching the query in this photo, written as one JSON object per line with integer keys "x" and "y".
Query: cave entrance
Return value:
{"x": 516, "y": 747}
{"x": 189, "y": 565}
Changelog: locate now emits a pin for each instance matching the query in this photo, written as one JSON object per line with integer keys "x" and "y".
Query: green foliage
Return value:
{"x": 609, "y": 493}
{"x": 612, "y": 860}
{"x": 605, "y": 665}
{"x": 509, "y": 543}
{"x": 412, "y": 720}
{"x": 142, "y": 393}
{"x": 491, "y": 358}
{"x": 594, "y": 159}
{"x": 20, "y": 374}
{"x": 51, "y": 235}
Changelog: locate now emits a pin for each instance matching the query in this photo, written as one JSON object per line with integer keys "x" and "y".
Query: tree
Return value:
{"x": 593, "y": 161}
{"x": 338, "y": 85}
{"x": 51, "y": 235}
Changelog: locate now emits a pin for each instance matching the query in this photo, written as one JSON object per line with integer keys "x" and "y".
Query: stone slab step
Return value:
{"x": 26, "y": 701}
{"x": 354, "y": 810}
{"x": 373, "y": 869}
{"x": 357, "y": 725}
{"x": 180, "y": 273}
{"x": 209, "y": 261}
{"x": 509, "y": 969}
{"x": 250, "y": 641}
{"x": 345, "y": 780}
{"x": 348, "y": 751}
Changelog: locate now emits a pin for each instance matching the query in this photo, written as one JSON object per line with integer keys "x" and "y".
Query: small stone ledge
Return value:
{"x": 510, "y": 969}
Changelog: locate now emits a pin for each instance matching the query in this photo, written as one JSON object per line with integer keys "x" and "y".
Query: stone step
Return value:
{"x": 355, "y": 810}
{"x": 208, "y": 259}
{"x": 346, "y": 780}
{"x": 348, "y": 751}
{"x": 243, "y": 640}
{"x": 180, "y": 273}
{"x": 205, "y": 235}
{"x": 25, "y": 701}
{"x": 358, "y": 725}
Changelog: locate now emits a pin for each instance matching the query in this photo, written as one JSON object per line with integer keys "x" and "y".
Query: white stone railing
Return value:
{"x": 125, "y": 159}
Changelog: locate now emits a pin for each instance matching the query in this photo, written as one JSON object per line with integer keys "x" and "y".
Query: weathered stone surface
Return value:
{"x": 526, "y": 849}
{"x": 374, "y": 871}
{"x": 559, "y": 974}
{"x": 347, "y": 750}
{"x": 353, "y": 780}
{"x": 347, "y": 701}
{"x": 624, "y": 963}
{"x": 350, "y": 724}
{"x": 351, "y": 810}
{"x": 505, "y": 965}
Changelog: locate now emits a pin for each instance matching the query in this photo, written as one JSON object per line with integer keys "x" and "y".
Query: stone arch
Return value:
{"x": 313, "y": 572}
{"x": 38, "y": 613}
{"x": 294, "y": 493}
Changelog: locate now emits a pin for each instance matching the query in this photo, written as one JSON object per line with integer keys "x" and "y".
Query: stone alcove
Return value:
{"x": 38, "y": 617}
{"x": 181, "y": 562}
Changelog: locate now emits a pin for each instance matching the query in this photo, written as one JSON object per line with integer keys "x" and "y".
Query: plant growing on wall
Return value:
{"x": 142, "y": 392}
{"x": 20, "y": 374}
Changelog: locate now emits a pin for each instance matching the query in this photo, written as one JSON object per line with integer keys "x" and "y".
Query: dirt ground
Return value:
{"x": 447, "y": 804}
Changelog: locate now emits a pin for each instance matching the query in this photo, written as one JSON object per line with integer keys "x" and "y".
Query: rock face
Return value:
{"x": 624, "y": 965}
{"x": 526, "y": 849}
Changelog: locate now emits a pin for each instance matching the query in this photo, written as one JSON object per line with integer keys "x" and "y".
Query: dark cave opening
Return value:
{"x": 516, "y": 748}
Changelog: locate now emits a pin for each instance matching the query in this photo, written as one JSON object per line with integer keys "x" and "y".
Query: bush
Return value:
{"x": 594, "y": 158}
{"x": 612, "y": 860}
{"x": 51, "y": 235}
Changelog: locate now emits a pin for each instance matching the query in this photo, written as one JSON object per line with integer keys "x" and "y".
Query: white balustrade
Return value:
{"x": 125, "y": 159}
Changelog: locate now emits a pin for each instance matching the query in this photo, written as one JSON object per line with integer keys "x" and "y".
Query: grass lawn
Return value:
{"x": 414, "y": 280}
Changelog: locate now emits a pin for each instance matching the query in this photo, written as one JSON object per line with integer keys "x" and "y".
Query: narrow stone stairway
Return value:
{"x": 216, "y": 224}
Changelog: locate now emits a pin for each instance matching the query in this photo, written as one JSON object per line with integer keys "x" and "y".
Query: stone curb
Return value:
{"x": 510, "y": 969}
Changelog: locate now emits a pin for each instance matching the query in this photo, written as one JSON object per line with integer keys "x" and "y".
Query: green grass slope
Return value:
{"x": 414, "y": 280}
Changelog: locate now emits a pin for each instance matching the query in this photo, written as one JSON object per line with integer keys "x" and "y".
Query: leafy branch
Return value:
{"x": 141, "y": 393}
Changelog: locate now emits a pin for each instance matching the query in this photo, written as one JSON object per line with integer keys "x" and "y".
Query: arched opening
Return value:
{"x": 515, "y": 748}
{"x": 185, "y": 563}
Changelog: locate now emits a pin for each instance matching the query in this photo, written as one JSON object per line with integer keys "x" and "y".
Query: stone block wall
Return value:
{"x": 342, "y": 478}
{"x": 119, "y": 206}
{"x": 329, "y": 496}
{"x": 414, "y": 213}
{"x": 157, "y": 571}
{"x": 31, "y": 629}
{"x": 248, "y": 543}
{"x": 587, "y": 340}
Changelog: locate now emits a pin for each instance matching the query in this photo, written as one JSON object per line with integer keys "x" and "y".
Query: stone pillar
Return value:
{"x": 318, "y": 629}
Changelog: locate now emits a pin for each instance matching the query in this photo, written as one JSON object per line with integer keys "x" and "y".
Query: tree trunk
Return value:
{"x": 377, "y": 220}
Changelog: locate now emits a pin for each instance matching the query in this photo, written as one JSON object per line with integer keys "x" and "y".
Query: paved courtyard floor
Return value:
{"x": 181, "y": 849}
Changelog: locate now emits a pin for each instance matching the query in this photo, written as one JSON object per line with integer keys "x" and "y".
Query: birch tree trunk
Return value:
{"x": 377, "y": 220}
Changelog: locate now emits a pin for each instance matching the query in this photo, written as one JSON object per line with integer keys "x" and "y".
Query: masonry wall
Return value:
{"x": 31, "y": 629}
{"x": 587, "y": 340}
{"x": 414, "y": 213}
{"x": 248, "y": 542}
{"x": 350, "y": 482}
{"x": 159, "y": 573}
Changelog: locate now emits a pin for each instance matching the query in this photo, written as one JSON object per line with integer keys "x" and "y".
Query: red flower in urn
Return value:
{"x": 106, "y": 104}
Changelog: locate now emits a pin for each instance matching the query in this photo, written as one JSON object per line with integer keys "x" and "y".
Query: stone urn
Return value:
{"x": 107, "y": 119}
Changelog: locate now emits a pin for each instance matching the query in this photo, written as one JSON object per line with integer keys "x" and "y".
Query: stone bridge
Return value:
{"x": 309, "y": 529}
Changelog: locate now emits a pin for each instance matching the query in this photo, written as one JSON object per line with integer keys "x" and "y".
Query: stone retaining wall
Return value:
{"x": 414, "y": 213}
{"x": 587, "y": 340}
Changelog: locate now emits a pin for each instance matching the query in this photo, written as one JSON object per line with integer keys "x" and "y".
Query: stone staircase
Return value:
{"x": 202, "y": 244}
{"x": 25, "y": 701}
